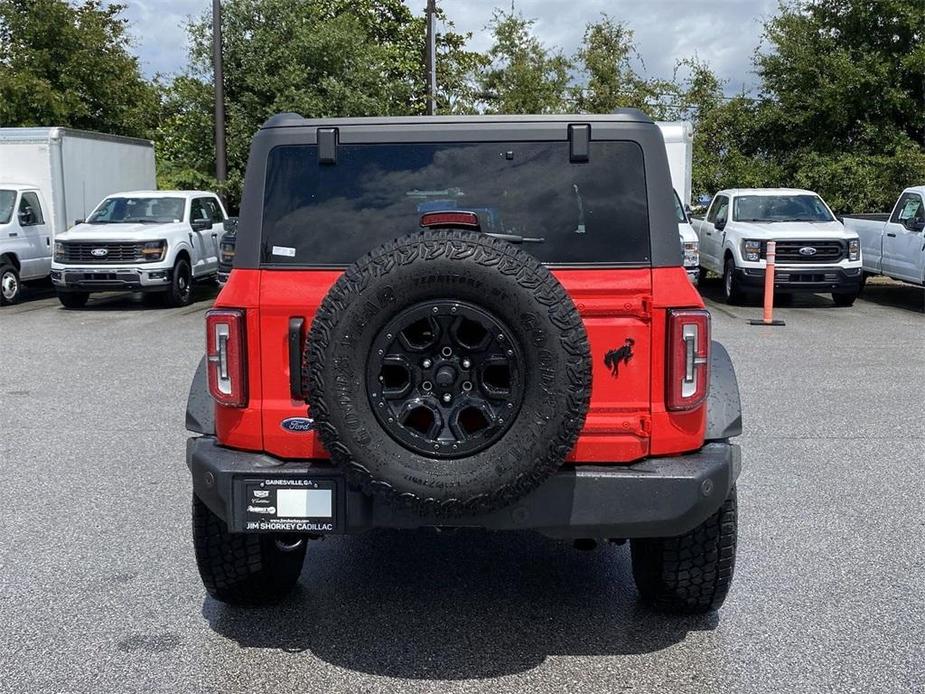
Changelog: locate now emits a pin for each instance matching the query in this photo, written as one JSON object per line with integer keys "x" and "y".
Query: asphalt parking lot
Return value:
{"x": 99, "y": 590}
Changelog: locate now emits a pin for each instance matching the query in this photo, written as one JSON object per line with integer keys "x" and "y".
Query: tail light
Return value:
{"x": 226, "y": 358}
{"x": 688, "y": 358}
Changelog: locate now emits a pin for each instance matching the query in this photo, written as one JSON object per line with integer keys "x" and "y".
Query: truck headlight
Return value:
{"x": 691, "y": 253}
{"x": 751, "y": 250}
{"x": 854, "y": 249}
{"x": 153, "y": 251}
{"x": 59, "y": 251}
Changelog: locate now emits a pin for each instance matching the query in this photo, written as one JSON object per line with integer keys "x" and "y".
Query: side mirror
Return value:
{"x": 230, "y": 224}
{"x": 915, "y": 224}
{"x": 26, "y": 217}
{"x": 201, "y": 224}
{"x": 720, "y": 224}
{"x": 688, "y": 211}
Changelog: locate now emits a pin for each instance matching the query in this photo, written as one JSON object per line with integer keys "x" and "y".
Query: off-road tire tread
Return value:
{"x": 487, "y": 251}
{"x": 239, "y": 568}
{"x": 691, "y": 573}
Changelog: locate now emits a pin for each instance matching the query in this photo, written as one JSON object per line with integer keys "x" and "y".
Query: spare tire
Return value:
{"x": 449, "y": 372}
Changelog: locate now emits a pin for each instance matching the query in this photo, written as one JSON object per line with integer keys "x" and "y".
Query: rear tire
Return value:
{"x": 844, "y": 300}
{"x": 73, "y": 300}
{"x": 691, "y": 573}
{"x": 243, "y": 569}
{"x": 732, "y": 289}
{"x": 10, "y": 285}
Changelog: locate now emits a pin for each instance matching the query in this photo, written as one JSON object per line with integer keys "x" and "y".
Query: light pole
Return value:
{"x": 431, "y": 57}
{"x": 221, "y": 159}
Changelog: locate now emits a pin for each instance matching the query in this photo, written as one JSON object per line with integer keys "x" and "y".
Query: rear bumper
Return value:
{"x": 797, "y": 279}
{"x": 656, "y": 497}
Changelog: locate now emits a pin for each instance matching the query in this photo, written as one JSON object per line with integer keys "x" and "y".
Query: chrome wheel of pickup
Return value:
{"x": 445, "y": 378}
{"x": 9, "y": 284}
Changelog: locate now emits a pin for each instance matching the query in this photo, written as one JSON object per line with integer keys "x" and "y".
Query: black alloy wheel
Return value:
{"x": 445, "y": 379}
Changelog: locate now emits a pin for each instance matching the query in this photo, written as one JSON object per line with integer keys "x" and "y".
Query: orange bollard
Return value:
{"x": 769, "y": 289}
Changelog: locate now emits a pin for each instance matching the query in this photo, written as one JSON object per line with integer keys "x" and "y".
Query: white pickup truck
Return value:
{"x": 140, "y": 241}
{"x": 48, "y": 178}
{"x": 894, "y": 244}
{"x": 814, "y": 251}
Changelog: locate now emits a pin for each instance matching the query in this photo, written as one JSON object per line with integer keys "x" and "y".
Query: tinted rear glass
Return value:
{"x": 331, "y": 214}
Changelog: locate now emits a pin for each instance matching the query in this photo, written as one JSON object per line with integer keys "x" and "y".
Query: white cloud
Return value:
{"x": 723, "y": 33}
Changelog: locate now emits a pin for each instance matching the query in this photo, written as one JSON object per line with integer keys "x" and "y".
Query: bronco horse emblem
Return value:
{"x": 613, "y": 358}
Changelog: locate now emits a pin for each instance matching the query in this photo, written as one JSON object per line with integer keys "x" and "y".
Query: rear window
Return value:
{"x": 591, "y": 212}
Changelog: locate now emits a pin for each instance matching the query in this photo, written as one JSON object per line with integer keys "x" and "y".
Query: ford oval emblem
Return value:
{"x": 99, "y": 252}
{"x": 807, "y": 250}
{"x": 298, "y": 425}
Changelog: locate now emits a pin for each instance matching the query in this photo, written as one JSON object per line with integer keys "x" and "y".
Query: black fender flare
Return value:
{"x": 200, "y": 408}
{"x": 724, "y": 406}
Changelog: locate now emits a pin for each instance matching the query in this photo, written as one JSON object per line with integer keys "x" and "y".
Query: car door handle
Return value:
{"x": 891, "y": 234}
{"x": 14, "y": 234}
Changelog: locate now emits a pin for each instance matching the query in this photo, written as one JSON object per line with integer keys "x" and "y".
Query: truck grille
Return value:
{"x": 824, "y": 251}
{"x": 92, "y": 253}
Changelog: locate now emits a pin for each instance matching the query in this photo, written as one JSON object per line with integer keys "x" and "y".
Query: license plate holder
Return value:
{"x": 286, "y": 504}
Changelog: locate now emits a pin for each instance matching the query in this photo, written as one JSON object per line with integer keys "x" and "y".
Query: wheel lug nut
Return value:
{"x": 427, "y": 363}
{"x": 447, "y": 397}
{"x": 466, "y": 363}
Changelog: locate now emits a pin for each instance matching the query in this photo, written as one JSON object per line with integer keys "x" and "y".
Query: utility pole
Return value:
{"x": 431, "y": 57}
{"x": 221, "y": 159}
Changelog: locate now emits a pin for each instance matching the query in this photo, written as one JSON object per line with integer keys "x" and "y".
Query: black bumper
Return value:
{"x": 837, "y": 280}
{"x": 656, "y": 497}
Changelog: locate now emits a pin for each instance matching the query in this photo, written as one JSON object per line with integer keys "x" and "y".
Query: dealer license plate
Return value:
{"x": 288, "y": 505}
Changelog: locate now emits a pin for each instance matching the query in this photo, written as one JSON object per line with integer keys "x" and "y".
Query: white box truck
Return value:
{"x": 679, "y": 146}
{"x": 51, "y": 178}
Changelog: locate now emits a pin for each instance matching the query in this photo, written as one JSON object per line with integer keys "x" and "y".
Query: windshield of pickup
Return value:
{"x": 7, "y": 199}
{"x": 589, "y": 212}
{"x": 138, "y": 211}
{"x": 780, "y": 208}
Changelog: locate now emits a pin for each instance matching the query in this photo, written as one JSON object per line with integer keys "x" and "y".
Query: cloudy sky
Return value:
{"x": 724, "y": 33}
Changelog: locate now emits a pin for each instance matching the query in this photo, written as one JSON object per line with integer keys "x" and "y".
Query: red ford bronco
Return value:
{"x": 462, "y": 322}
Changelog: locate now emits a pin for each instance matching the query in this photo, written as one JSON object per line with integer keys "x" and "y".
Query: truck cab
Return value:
{"x": 25, "y": 238}
{"x": 893, "y": 244}
{"x": 814, "y": 252}
{"x": 144, "y": 241}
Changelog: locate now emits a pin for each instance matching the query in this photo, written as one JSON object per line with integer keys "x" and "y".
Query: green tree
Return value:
{"x": 844, "y": 89}
{"x": 522, "y": 75}
{"x": 607, "y": 77}
{"x": 726, "y": 153}
{"x": 69, "y": 65}
{"x": 318, "y": 58}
